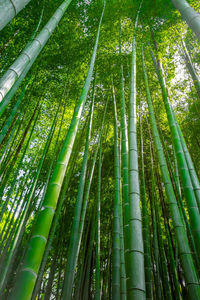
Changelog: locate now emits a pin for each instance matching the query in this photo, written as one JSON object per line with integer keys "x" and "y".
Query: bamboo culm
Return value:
{"x": 124, "y": 154}
{"x": 74, "y": 240}
{"x": 186, "y": 180}
{"x": 135, "y": 272}
{"x": 116, "y": 216}
{"x": 181, "y": 236}
{"x": 24, "y": 62}
{"x": 189, "y": 15}
{"x": 97, "y": 274}
{"x": 36, "y": 246}
{"x": 9, "y": 9}
{"x": 146, "y": 231}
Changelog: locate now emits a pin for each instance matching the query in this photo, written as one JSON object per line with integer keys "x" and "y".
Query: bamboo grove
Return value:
{"x": 99, "y": 149}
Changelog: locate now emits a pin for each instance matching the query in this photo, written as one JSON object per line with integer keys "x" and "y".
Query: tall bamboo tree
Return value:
{"x": 189, "y": 15}
{"x": 97, "y": 273}
{"x": 24, "y": 62}
{"x": 146, "y": 226}
{"x": 9, "y": 9}
{"x": 124, "y": 154}
{"x": 123, "y": 290}
{"x": 136, "y": 276}
{"x": 186, "y": 180}
{"x": 181, "y": 236}
{"x": 116, "y": 216}
{"x": 74, "y": 240}
{"x": 28, "y": 273}
{"x": 191, "y": 68}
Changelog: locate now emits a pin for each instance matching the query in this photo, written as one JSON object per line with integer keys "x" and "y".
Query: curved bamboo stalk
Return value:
{"x": 191, "y": 68}
{"x": 180, "y": 203}
{"x": 189, "y": 15}
{"x": 186, "y": 181}
{"x": 57, "y": 214}
{"x": 30, "y": 196}
{"x": 171, "y": 257}
{"x": 18, "y": 168}
{"x": 23, "y": 63}
{"x": 193, "y": 174}
{"x": 9, "y": 9}
{"x": 74, "y": 239}
{"x": 185, "y": 254}
{"x": 89, "y": 182}
{"x": 27, "y": 277}
{"x": 13, "y": 112}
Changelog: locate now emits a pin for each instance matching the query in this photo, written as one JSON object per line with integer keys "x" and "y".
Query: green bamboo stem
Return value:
{"x": 186, "y": 181}
{"x": 11, "y": 247}
{"x": 106, "y": 272}
{"x": 124, "y": 147}
{"x": 97, "y": 273}
{"x": 191, "y": 17}
{"x": 8, "y": 131}
{"x": 181, "y": 204}
{"x": 88, "y": 186}
{"x": 87, "y": 192}
{"x": 8, "y": 254}
{"x": 7, "y": 152}
{"x": 85, "y": 288}
{"x": 156, "y": 249}
{"x": 14, "y": 88}
{"x": 53, "y": 267}
{"x": 89, "y": 181}
{"x": 191, "y": 169}
{"x": 190, "y": 273}
{"x": 30, "y": 195}
{"x": 191, "y": 68}
{"x": 157, "y": 275}
{"x": 123, "y": 292}
{"x": 5, "y": 171}
{"x": 74, "y": 239}
{"x": 116, "y": 216}
{"x": 16, "y": 202}
{"x": 38, "y": 23}
{"x": 24, "y": 62}
{"x": 18, "y": 168}
{"x": 170, "y": 250}
{"x": 52, "y": 271}
{"x": 9, "y": 9}
{"x": 193, "y": 174}
{"x": 13, "y": 112}
{"x": 12, "y": 91}
{"x": 82, "y": 276}
{"x": 136, "y": 275}
{"x": 16, "y": 85}
{"x": 59, "y": 276}
{"x": 177, "y": 179}
{"x": 165, "y": 275}
{"x": 146, "y": 232}
{"x": 36, "y": 246}
{"x": 123, "y": 289}
{"x": 81, "y": 271}
{"x": 11, "y": 140}
{"x": 56, "y": 218}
